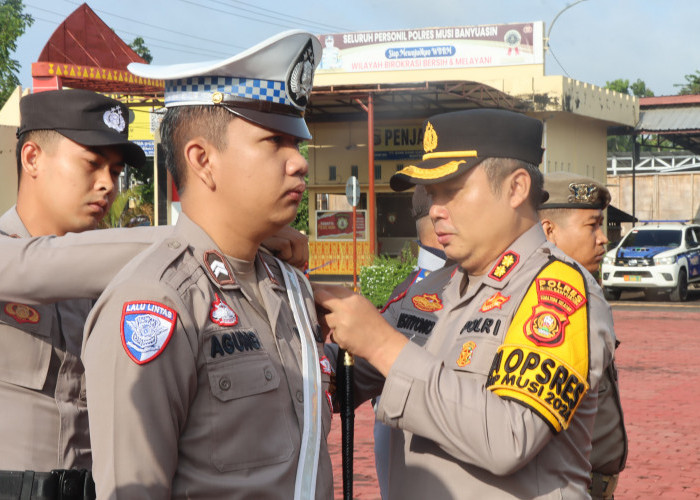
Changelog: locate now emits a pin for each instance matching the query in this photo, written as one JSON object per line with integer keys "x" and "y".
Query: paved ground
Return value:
{"x": 659, "y": 363}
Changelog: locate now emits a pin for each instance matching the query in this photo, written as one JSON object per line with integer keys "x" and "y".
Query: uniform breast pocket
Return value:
{"x": 250, "y": 417}
{"x": 473, "y": 355}
{"x": 25, "y": 345}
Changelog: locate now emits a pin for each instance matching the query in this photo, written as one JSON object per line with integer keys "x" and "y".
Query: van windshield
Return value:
{"x": 655, "y": 238}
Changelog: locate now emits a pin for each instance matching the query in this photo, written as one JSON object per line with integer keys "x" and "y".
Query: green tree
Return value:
{"x": 619, "y": 85}
{"x": 623, "y": 143}
{"x": 139, "y": 46}
{"x": 639, "y": 89}
{"x": 691, "y": 85}
{"x": 301, "y": 222}
{"x": 13, "y": 23}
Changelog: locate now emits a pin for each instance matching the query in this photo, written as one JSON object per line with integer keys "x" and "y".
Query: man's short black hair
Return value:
{"x": 180, "y": 124}
{"x": 44, "y": 138}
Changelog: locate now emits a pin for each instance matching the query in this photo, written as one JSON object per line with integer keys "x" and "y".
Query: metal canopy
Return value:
{"x": 680, "y": 125}
{"x": 405, "y": 101}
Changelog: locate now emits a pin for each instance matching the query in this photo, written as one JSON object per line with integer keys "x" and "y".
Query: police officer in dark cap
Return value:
{"x": 72, "y": 145}
{"x": 499, "y": 401}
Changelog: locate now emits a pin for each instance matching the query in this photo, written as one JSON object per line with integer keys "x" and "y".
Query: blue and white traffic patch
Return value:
{"x": 146, "y": 329}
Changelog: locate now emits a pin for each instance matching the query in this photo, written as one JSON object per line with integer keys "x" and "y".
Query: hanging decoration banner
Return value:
{"x": 433, "y": 48}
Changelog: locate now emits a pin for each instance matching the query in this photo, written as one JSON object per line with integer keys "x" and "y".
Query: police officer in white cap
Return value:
{"x": 204, "y": 362}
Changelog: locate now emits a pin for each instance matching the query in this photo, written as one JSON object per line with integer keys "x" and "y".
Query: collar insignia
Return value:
{"x": 428, "y": 302}
{"x": 222, "y": 314}
{"x": 495, "y": 301}
{"x": 218, "y": 268}
{"x": 113, "y": 119}
{"x": 22, "y": 313}
{"x": 465, "y": 357}
{"x": 504, "y": 266}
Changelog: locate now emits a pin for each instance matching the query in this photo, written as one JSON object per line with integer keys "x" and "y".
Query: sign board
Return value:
{"x": 433, "y": 48}
{"x": 333, "y": 225}
{"x": 352, "y": 191}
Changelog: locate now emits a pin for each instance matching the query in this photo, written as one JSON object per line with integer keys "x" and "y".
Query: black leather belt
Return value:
{"x": 60, "y": 484}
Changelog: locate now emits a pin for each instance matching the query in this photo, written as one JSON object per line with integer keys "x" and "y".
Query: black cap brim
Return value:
{"x": 287, "y": 124}
{"x": 133, "y": 154}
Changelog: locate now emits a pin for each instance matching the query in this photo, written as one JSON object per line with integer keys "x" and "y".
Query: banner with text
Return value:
{"x": 338, "y": 225}
{"x": 433, "y": 48}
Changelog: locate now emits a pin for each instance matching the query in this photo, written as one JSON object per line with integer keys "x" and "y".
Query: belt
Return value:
{"x": 59, "y": 484}
{"x": 603, "y": 486}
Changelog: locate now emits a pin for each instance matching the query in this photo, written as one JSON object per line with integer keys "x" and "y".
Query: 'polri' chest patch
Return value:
{"x": 146, "y": 329}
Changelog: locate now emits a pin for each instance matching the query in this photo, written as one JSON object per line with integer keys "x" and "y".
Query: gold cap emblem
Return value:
{"x": 430, "y": 139}
{"x": 217, "y": 97}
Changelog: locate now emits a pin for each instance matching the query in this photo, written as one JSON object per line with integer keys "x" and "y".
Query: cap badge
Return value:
{"x": 430, "y": 139}
{"x": 301, "y": 78}
{"x": 113, "y": 119}
{"x": 582, "y": 193}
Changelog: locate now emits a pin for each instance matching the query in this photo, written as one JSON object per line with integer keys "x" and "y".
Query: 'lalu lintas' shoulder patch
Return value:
{"x": 146, "y": 329}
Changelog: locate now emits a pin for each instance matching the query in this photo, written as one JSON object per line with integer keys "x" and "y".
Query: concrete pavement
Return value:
{"x": 659, "y": 365}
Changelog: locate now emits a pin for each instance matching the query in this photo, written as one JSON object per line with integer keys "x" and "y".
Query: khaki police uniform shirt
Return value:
{"x": 46, "y": 269}
{"x": 43, "y": 416}
{"x": 218, "y": 411}
{"x": 454, "y": 437}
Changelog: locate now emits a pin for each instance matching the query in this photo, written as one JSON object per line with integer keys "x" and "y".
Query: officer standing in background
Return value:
{"x": 430, "y": 258}
{"x": 72, "y": 146}
{"x": 205, "y": 375}
{"x": 500, "y": 400}
{"x": 572, "y": 219}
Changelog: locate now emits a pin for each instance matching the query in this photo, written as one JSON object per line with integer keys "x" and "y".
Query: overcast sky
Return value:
{"x": 594, "y": 41}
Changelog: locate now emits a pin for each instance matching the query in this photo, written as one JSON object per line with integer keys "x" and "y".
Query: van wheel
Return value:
{"x": 680, "y": 293}
{"x": 611, "y": 293}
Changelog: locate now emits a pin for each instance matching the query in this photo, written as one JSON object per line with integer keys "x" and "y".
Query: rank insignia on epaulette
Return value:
{"x": 504, "y": 265}
{"x": 218, "y": 268}
{"x": 428, "y": 302}
{"x": 495, "y": 301}
{"x": 146, "y": 329}
{"x": 22, "y": 313}
{"x": 222, "y": 314}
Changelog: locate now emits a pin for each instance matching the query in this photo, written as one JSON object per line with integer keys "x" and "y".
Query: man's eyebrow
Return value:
{"x": 97, "y": 150}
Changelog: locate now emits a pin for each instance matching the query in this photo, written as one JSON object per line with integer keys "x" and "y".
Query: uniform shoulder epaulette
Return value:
{"x": 544, "y": 359}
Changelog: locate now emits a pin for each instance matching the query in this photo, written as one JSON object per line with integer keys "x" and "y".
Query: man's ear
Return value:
{"x": 549, "y": 227}
{"x": 518, "y": 187}
{"x": 198, "y": 155}
{"x": 30, "y": 154}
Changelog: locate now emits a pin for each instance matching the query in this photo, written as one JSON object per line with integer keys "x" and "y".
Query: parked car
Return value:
{"x": 659, "y": 258}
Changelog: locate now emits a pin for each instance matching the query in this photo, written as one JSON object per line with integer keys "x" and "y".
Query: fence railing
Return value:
{"x": 621, "y": 163}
